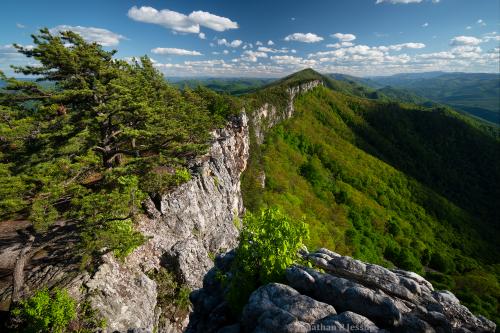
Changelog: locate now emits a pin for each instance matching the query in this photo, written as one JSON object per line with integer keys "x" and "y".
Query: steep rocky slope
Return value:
{"x": 338, "y": 294}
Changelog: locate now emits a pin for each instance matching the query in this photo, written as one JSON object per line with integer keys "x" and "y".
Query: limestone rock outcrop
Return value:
{"x": 184, "y": 228}
{"x": 338, "y": 294}
{"x": 268, "y": 114}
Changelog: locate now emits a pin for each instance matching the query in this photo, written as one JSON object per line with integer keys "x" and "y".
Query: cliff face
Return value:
{"x": 186, "y": 227}
{"x": 268, "y": 116}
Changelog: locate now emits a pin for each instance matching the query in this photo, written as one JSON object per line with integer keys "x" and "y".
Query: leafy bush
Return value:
{"x": 268, "y": 243}
{"x": 46, "y": 311}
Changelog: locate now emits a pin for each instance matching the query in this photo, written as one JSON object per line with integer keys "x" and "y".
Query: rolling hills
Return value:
{"x": 475, "y": 93}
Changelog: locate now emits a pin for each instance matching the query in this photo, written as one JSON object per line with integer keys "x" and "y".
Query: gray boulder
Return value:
{"x": 279, "y": 308}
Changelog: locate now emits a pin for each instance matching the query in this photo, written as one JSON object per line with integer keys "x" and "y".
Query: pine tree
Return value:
{"x": 88, "y": 140}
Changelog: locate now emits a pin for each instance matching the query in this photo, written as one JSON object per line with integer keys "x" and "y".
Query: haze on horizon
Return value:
{"x": 272, "y": 39}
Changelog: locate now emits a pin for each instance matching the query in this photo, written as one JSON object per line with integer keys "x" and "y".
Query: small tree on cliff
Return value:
{"x": 269, "y": 242}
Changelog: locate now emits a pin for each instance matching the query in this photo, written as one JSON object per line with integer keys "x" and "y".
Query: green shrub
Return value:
{"x": 269, "y": 243}
{"x": 46, "y": 311}
{"x": 172, "y": 295}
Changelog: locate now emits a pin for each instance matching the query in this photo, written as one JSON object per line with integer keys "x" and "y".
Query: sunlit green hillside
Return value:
{"x": 391, "y": 184}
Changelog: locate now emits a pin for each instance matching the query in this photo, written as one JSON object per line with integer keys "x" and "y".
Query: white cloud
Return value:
{"x": 399, "y": 47}
{"x": 465, "y": 40}
{"x": 166, "y": 18}
{"x": 258, "y": 43}
{"x": 270, "y": 43}
{"x": 234, "y": 43}
{"x": 425, "y": 25}
{"x": 225, "y": 52}
{"x": 436, "y": 55}
{"x": 305, "y": 38}
{"x": 253, "y": 56}
{"x": 270, "y": 50}
{"x": 339, "y": 45}
{"x": 468, "y": 27}
{"x": 293, "y": 61}
{"x": 344, "y": 37}
{"x": 481, "y": 22}
{"x": 20, "y": 26}
{"x": 180, "y": 22}
{"x": 211, "y": 21}
{"x": 91, "y": 34}
{"x": 174, "y": 51}
{"x": 202, "y": 35}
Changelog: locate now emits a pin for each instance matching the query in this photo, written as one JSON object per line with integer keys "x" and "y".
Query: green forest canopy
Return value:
{"x": 390, "y": 184}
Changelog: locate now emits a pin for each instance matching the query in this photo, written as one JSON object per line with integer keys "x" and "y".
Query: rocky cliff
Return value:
{"x": 338, "y": 294}
{"x": 268, "y": 115}
{"x": 185, "y": 227}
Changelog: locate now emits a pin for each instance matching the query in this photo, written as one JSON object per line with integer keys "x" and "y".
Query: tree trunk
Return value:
{"x": 18, "y": 275}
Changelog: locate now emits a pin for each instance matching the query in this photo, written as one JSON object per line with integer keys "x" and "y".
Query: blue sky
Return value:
{"x": 273, "y": 37}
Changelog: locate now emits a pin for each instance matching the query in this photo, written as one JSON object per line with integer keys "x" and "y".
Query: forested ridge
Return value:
{"x": 394, "y": 184}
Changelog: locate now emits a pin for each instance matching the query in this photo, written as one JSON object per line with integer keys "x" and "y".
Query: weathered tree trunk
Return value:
{"x": 18, "y": 275}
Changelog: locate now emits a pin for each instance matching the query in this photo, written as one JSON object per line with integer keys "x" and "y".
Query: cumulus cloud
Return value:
{"x": 305, "y": 38}
{"x": 174, "y": 51}
{"x": 344, "y": 37}
{"x": 166, "y": 18}
{"x": 399, "y": 47}
{"x": 225, "y": 42}
{"x": 253, "y": 56}
{"x": 202, "y": 35}
{"x": 339, "y": 45}
{"x": 270, "y": 50}
{"x": 91, "y": 34}
{"x": 293, "y": 61}
{"x": 270, "y": 43}
{"x": 258, "y": 43}
{"x": 425, "y": 25}
{"x": 465, "y": 40}
{"x": 481, "y": 22}
{"x": 180, "y": 22}
{"x": 211, "y": 21}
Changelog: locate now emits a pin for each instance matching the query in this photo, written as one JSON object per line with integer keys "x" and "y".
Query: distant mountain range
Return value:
{"x": 476, "y": 94}
{"x": 233, "y": 86}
